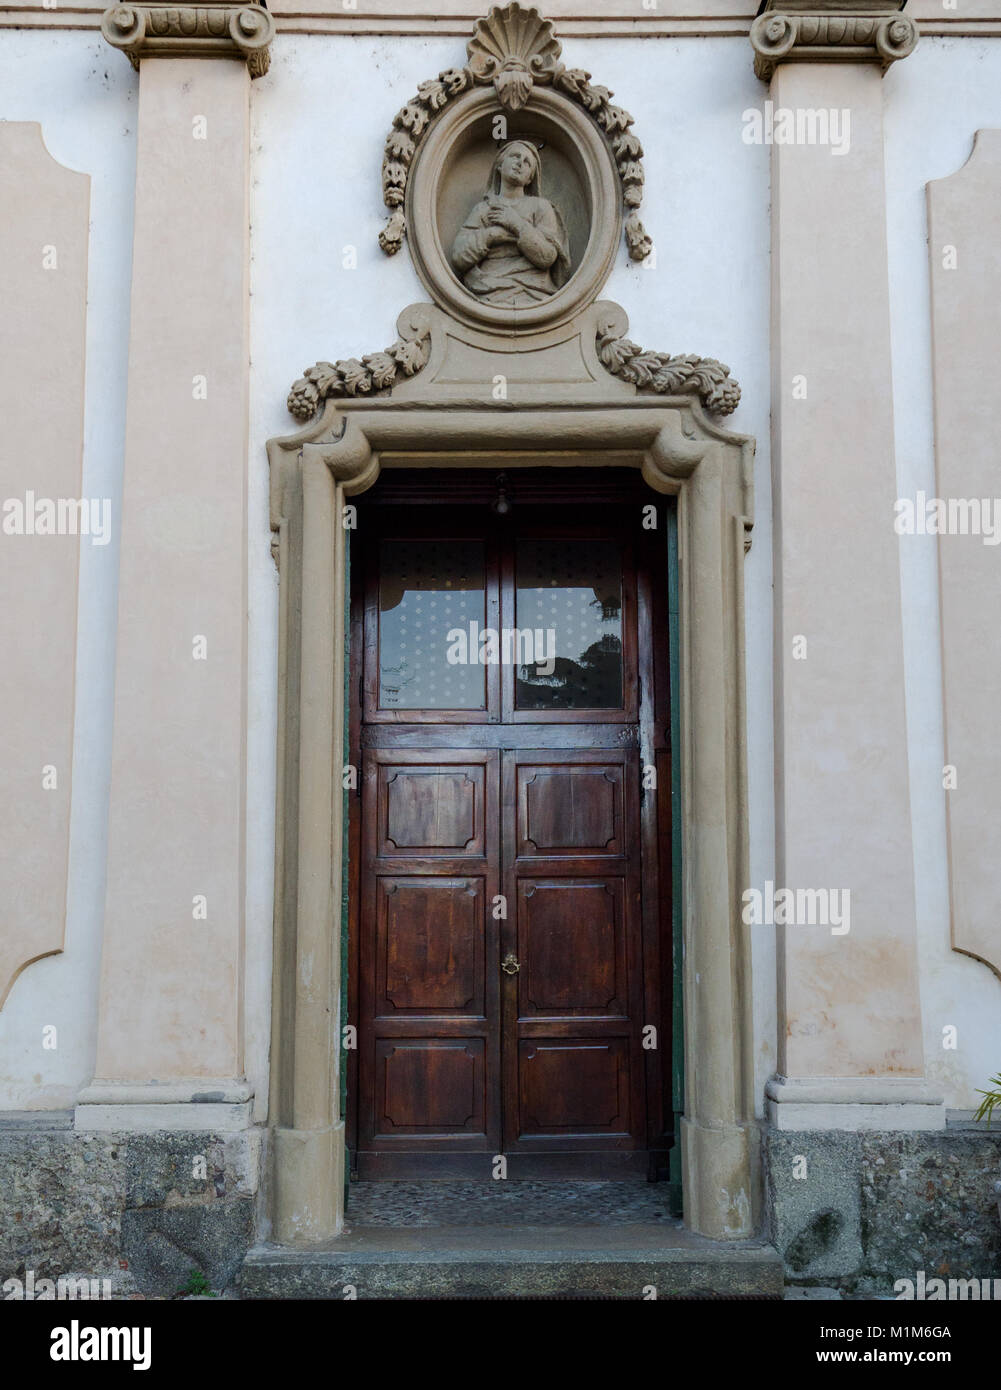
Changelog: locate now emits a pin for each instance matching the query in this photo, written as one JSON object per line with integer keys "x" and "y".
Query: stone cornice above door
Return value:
{"x": 212, "y": 29}
{"x": 833, "y": 31}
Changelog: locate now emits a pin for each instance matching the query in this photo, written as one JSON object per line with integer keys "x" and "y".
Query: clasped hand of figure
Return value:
{"x": 506, "y": 221}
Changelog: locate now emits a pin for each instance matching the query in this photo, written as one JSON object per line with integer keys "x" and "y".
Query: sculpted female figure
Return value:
{"x": 513, "y": 249}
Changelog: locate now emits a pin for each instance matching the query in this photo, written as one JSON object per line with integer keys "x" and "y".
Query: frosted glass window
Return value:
{"x": 572, "y": 591}
{"x": 426, "y": 589}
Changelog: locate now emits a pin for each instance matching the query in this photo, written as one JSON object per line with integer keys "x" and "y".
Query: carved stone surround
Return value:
{"x": 213, "y": 29}
{"x": 832, "y": 31}
{"x": 576, "y": 391}
{"x": 564, "y": 408}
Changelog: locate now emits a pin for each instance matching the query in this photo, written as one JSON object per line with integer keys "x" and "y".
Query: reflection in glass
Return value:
{"x": 574, "y": 589}
{"x": 426, "y": 588}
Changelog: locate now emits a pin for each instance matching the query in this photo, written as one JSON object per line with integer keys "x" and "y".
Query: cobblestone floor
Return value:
{"x": 508, "y": 1203}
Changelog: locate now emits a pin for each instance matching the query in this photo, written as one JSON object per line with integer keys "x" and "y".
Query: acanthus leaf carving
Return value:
{"x": 513, "y": 48}
{"x": 668, "y": 375}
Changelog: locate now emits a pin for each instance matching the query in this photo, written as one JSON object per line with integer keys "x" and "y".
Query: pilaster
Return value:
{"x": 170, "y": 1046}
{"x": 850, "y": 1047}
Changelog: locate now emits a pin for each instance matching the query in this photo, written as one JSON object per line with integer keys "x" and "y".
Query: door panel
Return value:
{"x": 569, "y": 807}
{"x": 430, "y": 946}
{"x": 572, "y": 948}
{"x": 574, "y": 1087}
{"x": 501, "y": 926}
{"x": 431, "y": 1087}
{"x": 429, "y": 1044}
{"x": 432, "y": 810}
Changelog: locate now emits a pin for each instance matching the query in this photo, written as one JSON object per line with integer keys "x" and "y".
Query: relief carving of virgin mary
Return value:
{"x": 513, "y": 250}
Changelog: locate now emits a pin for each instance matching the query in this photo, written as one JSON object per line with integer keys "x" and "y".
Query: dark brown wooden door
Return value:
{"x": 507, "y": 921}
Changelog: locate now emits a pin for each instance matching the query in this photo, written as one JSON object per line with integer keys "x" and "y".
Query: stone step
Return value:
{"x": 621, "y": 1262}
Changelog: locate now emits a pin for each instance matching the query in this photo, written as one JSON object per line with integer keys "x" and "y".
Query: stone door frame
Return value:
{"x": 313, "y": 475}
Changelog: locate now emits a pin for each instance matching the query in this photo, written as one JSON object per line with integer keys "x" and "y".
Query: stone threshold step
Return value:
{"x": 528, "y": 1262}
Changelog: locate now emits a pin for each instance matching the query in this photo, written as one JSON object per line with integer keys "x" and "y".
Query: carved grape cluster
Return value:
{"x": 670, "y": 376}
{"x": 379, "y": 371}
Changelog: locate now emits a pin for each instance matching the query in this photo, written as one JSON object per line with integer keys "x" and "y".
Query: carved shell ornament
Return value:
{"x": 513, "y": 49}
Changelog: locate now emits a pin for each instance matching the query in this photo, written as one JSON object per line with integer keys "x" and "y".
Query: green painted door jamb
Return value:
{"x": 677, "y": 943}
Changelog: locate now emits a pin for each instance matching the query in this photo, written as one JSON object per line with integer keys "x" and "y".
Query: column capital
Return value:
{"x": 212, "y": 29}
{"x": 830, "y": 31}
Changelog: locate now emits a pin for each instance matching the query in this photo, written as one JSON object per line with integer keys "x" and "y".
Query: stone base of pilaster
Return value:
{"x": 853, "y": 1104}
{"x": 720, "y": 1167}
{"x": 213, "y": 1104}
{"x": 308, "y": 1176}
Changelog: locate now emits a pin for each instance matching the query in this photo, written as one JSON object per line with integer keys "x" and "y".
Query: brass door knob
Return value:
{"x": 510, "y": 964}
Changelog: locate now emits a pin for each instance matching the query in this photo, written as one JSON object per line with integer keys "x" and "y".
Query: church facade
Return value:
{"x": 499, "y": 542}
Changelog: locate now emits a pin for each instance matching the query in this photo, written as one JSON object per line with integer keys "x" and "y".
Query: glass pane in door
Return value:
{"x": 569, "y": 592}
{"x": 428, "y": 590}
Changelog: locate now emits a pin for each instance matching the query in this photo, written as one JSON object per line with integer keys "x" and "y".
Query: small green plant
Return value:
{"x": 991, "y": 1101}
{"x": 198, "y": 1284}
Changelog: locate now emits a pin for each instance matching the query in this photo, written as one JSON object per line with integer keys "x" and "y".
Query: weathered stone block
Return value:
{"x": 142, "y": 1209}
{"x": 164, "y": 1246}
{"x": 812, "y": 1196}
{"x": 928, "y": 1202}
{"x": 61, "y": 1199}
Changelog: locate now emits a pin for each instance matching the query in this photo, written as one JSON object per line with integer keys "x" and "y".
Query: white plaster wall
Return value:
{"x": 935, "y": 102}
{"x": 83, "y": 95}
{"x": 320, "y": 119}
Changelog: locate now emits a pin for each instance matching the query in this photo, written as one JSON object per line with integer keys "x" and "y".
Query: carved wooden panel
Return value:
{"x": 431, "y": 945}
{"x": 578, "y": 1085}
{"x": 432, "y": 810}
{"x": 571, "y": 947}
{"x": 431, "y": 1085}
{"x": 570, "y": 809}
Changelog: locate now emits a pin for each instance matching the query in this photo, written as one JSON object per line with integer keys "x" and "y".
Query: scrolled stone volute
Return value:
{"x": 808, "y": 31}
{"x": 213, "y": 29}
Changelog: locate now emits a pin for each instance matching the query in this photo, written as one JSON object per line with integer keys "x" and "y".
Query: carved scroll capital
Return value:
{"x": 852, "y": 32}
{"x": 212, "y": 29}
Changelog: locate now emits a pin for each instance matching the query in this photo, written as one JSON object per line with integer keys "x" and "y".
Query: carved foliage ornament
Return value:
{"x": 659, "y": 372}
{"x": 513, "y": 49}
{"x": 376, "y": 372}
{"x": 666, "y": 375}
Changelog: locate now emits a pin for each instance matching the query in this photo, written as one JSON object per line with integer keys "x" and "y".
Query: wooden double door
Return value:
{"x": 510, "y": 950}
